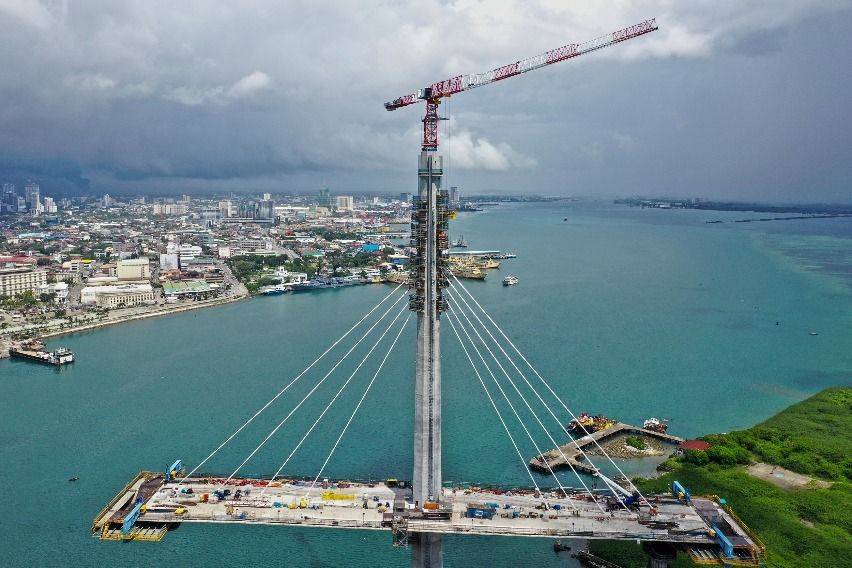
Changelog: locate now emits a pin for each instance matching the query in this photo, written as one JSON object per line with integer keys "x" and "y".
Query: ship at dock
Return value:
{"x": 34, "y": 350}
{"x": 587, "y": 424}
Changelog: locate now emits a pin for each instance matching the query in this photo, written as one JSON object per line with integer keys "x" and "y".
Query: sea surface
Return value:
{"x": 629, "y": 312}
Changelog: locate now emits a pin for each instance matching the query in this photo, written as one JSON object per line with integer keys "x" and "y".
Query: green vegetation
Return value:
{"x": 801, "y": 527}
{"x": 636, "y": 442}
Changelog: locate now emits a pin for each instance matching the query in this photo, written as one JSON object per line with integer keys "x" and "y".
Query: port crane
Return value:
{"x": 449, "y": 87}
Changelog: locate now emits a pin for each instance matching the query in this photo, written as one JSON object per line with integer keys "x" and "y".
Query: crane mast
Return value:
{"x": 428, "y": 271}
{"x": 449, "y": 87}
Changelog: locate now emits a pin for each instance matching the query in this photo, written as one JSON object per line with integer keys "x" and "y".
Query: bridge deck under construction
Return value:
{"x": 379, "y": 506}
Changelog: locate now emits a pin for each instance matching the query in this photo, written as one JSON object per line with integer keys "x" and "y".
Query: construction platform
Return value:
{"x": 573, "y": 451}
{"x": 149, "y": 505}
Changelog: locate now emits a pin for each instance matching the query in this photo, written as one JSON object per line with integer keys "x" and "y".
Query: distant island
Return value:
{"x": 696, "y": 203}
{"x": 787, "y": 478}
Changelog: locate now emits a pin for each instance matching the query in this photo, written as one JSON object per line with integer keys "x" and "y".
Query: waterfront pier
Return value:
{"x": 573, "y": 453}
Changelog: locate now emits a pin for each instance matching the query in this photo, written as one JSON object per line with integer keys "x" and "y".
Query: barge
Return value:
{"x": 34, "y": 350}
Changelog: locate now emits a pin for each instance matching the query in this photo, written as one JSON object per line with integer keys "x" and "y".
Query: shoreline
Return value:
{"x": 157, "y": 313}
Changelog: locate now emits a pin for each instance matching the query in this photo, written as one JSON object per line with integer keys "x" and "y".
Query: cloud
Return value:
{"x": 249, "y": 85}
{"x": 212, "y": 90}
{"x": 466, "y": 151}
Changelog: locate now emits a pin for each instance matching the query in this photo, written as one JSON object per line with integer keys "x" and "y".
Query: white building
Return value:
{"x": 187, "y": 252}
{"x": 290, "y": 277}
{"x": 117, "y": 295}
{"x": 16, "y": 281}
{"x": 58, "y": 288}
{"x": 344, "y": 202}
{"x": 133, "y": 269}
{"x": 169, "y": 262}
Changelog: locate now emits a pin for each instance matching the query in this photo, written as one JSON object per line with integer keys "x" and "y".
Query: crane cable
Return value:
{"x": 334, "y": 399}
{"x": 291, "y": 383}
{"x": 358, "y": 406}
{"x": 552, "y": 392}
{"x": 512, "y": 407}
{"x": 319, "y": 383}
{"x": 524, "y": 400}
{"x": 493, "y": 404}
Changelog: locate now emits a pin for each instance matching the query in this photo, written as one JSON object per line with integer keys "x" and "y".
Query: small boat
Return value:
{"x": 75, "y": 478}
{"x": 559, "y": 546}
{"x": 510, "y": 280}
{"x": 460, "y": 242}
{"x": 655, "y": 425}
{"x": 814, "y": 333}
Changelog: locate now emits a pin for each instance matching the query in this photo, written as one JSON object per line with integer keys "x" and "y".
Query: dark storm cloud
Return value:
{"x": 727, "y": 99}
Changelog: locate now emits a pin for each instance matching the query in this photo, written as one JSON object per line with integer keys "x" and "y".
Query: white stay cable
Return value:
{"x": 512, "y": 406}
{"x": 291, "y": 383}
{"x": 547, "y": 386}
{"x": 334, "y": 398}
{"x": 457, "y": 307}
{"x": 588, "y": 458}
{"x": 319, "y": 383}
{"x": 357, "y": 406}
{"x": 493, "y": 404}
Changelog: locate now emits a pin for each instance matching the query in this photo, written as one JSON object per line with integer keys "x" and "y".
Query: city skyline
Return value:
{"x": 729, "y": 101}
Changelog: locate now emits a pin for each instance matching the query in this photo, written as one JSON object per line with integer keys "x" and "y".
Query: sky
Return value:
{"x": 727, "y": 100}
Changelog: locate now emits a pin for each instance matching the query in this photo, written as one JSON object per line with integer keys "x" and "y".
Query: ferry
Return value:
{"x": 510, "y": 280}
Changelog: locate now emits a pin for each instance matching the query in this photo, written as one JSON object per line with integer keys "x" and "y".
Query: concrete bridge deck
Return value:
{"x": 573, "y": 457}
{"x": 377, "y": 506}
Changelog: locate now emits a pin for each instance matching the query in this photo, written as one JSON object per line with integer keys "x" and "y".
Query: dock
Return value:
{"x": 34, "y": 350}
{"x": 150, "y": 505}
{"x": 573, "y": 456}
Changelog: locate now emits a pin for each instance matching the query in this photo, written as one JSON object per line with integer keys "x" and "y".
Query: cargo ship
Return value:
{"x": 34, "y": 350}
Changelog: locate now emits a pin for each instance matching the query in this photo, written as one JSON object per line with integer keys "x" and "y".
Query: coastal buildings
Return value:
{"x": 16, "y": 280}
{"x": 112, "y": 296}
{"x": 133, "y": 269}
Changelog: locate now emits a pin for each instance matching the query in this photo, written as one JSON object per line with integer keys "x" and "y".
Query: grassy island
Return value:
{"x": 804, "y": 520}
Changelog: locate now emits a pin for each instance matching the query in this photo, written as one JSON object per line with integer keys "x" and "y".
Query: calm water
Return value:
{"x": 629, "y": 312}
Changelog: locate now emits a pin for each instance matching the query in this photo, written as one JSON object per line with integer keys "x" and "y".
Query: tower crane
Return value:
{"x": 445, "y": 89}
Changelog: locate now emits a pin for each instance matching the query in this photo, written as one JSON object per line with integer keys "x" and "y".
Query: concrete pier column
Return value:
{"x": 428, "y": 236}
{"x": 662, "y": 554}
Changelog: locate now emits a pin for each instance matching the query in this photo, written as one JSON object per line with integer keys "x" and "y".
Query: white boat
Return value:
{"x": 460, "y": 242}
{"x": 510, "y": 280}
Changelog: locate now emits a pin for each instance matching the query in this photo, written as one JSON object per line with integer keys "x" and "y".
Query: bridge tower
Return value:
{"x": 429, "y": 237}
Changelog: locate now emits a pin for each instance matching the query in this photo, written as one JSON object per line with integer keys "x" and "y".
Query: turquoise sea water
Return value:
{"x": 629, "y": 312}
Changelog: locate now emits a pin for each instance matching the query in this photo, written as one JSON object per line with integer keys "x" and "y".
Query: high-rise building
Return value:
{"x": 455, "y": 197}
{"x": 31, "y": 196}
{"x": 267, "y": 197}
{"x": 405, "y": 197}
{"x": 324, "y": 198}
{"x": 106, "y": 200}
{"x": 185, "y": 199}
{"x": 49, "y": 205}
{"x": 344, "y": 202}
{"x": 225, "y": 209}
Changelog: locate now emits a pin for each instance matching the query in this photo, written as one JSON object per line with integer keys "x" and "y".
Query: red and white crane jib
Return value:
{"x": 461, "y": 83}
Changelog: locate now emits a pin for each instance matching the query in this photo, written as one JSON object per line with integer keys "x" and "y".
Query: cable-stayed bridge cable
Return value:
{"x": 291, "y": 383}
{"x": 543, "y": 402}
{"x": 358, "y": 406}
{"x": 524, "y": 400}
{"x": 319, "y": 383}
{"x": 511, "y": 406}
{"x": 548, "y": 387}
{"x": 335, "y": 397}
{"x": 493, "y": 404}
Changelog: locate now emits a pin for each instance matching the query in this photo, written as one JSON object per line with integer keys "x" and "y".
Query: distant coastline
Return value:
{"x": 823, "y": 210}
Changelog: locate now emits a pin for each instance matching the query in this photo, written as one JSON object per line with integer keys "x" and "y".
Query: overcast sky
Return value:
{"x": 729, "y": 99}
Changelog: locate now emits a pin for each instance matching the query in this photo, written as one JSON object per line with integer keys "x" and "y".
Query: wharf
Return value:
{"x": 34, "y": 350}
{"x": 379, "y": 506}
{"x": 573, "y": 456}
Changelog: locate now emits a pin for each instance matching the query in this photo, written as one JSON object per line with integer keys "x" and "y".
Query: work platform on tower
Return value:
{"x": 153, "y": 505}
